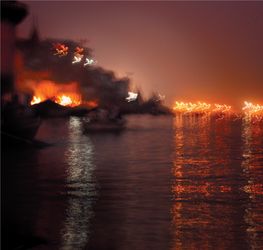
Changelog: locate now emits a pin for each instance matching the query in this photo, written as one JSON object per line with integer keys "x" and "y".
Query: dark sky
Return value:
{"x": 209, "y": 51}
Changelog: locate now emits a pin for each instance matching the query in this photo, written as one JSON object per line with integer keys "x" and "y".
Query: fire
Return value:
{"x": 60, "y": 99}
{"x": 64, "y": 100}
{"x": 65, "y": 94}
{"x": 67, "y": 100}
{"x": 35, "y": 100}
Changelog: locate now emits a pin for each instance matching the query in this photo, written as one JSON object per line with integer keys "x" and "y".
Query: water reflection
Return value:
{"x": 205, "y": 189}
{"x": 81, "y": 187}
{"x": 253, "y": 171}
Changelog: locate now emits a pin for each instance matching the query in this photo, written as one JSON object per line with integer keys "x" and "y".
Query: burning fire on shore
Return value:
{"x": 65, "y": 94}
{"x": 63, "y": 100}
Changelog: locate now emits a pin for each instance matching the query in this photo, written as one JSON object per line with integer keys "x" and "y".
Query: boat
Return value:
{"x": 104, "y": 126}
{"x": 26, "y": 129}
{"x": 19, "y": 123}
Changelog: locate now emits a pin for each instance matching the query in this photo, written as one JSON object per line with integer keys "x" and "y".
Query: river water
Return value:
{"x": 166, "y": 182}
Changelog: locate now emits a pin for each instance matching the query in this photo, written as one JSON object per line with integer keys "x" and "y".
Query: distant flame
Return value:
{"x": 189, "y": 107}
{"x": 65, "y": 100}
{"x": 60, "y": 99}
{"x": 35, "y": 100}
{"x": 66, "y": 94}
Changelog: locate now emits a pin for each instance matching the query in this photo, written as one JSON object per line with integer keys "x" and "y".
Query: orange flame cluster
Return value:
{"x": 63, "y": 94}
{"x": 200, "y": 106}
{"x": 253, "y": 108}
{"x": 60, "y": 99}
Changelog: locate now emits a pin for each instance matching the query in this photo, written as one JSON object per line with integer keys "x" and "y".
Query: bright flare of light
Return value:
{"x": 76, "y": 59}
{"x": 253, "y": 108}
{"x": 181, "y": 105}
{"x": 78, "y": 56}
{"x": 256, "y": 108}
{"x": 79, "y": 50}
{"x": 61, "y": 49}
{"x": 248, "y": 105}
{"x": 161, "y": 97}
{"x": 218, "y": 107}
{"x": 90, "y": 62}
{"x": 132, "y": 96}
{"x": 190, "y": 109}
{"x": 206, "y": 106}
{"x": 203, "y": 106}
{"x": 35, "y": 100}
{"x": 64, "y": 100}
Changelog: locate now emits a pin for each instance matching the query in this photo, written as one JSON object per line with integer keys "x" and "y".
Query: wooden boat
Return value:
{"x": 105, "y": 126}
{"x": 22, "y": 128}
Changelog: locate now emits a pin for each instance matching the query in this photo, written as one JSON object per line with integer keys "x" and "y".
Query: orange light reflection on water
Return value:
{"x": 252, "y": 167}
{"x": 203, "y": 184}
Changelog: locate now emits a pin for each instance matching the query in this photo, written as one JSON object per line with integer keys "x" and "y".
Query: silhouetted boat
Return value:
{"x": 25, "y": 128}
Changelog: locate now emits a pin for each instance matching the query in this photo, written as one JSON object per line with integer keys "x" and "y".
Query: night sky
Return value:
{"x": 209, "y": 51}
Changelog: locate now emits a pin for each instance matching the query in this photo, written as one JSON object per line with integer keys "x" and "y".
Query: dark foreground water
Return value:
{"x": 166, "y": 182}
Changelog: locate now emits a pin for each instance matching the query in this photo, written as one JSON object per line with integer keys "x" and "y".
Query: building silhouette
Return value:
{"x": 12, "y": 13}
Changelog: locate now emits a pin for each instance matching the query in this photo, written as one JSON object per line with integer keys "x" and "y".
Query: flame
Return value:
{"x": 35, "y": 100}
{"x": 67, "y": 101}
{"x": 66, "y": 94}
{"x": 60, "y": 99}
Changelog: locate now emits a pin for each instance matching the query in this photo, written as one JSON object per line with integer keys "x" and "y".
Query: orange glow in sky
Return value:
{"x": 188, "y": 51}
